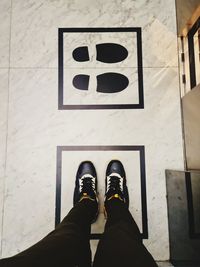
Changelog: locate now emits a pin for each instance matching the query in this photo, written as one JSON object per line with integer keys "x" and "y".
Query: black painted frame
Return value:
{"x": 62, "y": 106}
{"x": 191, "y": 34}
{"x": 141, "y": 150}
{"x": 191, "y": 221}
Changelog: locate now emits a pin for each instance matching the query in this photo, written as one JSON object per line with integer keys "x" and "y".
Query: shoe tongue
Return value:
{"x": 87, "y": 180}
{"x": 115, "y": 179}
{"x": 116, "y": 175}
{"x": 87, "y": 175}
{"x": 115, "y": 182}
{"x": 115, "y": 185}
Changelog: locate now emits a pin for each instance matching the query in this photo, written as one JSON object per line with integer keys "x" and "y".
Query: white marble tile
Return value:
{"x": 36, "y": 128}
{"x": 5, "y": 13}
{"x": 73, "y": 40}
{"x": 41, "y": 19}
{"x": 3, "y": 134}
{"x": 74, "y": 96}
{"x": 29, "y": 218}
{"x": 131, "y": 162}
{"x": 35, "y": 27}
{"x": 158, "y": 22}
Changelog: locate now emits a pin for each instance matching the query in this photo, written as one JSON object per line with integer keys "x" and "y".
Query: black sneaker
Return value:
{"x": 116, "y": 182}
{"x": 86, "y": 183}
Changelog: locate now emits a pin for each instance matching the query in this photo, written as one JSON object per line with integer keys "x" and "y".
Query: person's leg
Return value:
{"x": 121, "y": 243}
{"x": 68, "y": 245}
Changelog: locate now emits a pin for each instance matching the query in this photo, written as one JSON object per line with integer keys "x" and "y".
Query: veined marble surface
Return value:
{"x": 129, "y": 95}
{"x": 100, "y": 159}
{"x": 35, "y": 27}
{"x": 73, "y": 40}
{"x": 36, "y": 127}
{"x": 5, "y": 15}
{"x": 3, "y": 136}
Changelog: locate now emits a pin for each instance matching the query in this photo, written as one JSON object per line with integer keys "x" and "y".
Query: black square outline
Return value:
{"x": 138, "y": 31}
{"x": 140, "y": 148}
{"x": 191, "y": 217}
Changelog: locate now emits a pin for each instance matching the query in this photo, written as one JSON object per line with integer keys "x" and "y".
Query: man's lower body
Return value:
{"x": 68, "y": 245}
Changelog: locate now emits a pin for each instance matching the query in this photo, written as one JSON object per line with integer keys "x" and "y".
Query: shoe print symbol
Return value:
{"x": 107, "y": 53}
{"x": 109, "y": 82}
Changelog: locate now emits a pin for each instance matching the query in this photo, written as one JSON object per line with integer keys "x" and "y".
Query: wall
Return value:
{"x": 191, "y": 117}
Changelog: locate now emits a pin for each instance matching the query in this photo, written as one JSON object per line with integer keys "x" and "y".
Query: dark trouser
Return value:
{"x": 68, "y": 245}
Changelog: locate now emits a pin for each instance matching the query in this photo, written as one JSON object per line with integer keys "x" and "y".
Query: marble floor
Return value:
{"x": 47, "y": 127}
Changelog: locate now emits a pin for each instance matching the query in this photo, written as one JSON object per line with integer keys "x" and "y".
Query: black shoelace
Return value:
{"x": 88, "y": 185}
{"x": 114, "y": 184}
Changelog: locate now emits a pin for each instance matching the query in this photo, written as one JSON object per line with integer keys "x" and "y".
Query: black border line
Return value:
{"x": 60, "y": 67}
{"x": 191, "y": 221}
{"x": 191, "y": 34}
{"x": 138, "y": 31}
{"x": 140, "y": 148}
